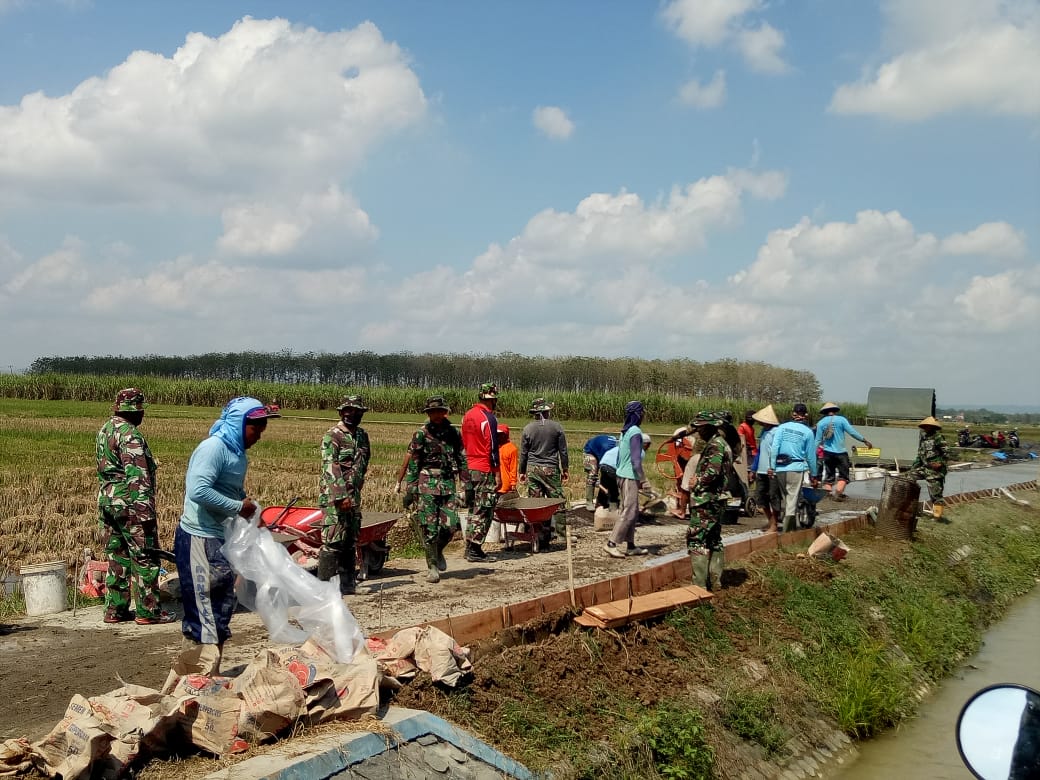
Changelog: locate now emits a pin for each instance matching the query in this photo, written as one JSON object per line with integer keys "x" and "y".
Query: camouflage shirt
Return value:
{"x": 709, "y": 481}
{"x": 126, "y": 472}
{"x": 436, "y": 461}
{"x": 344, "y": 461}
{"x": 932, "y": 452}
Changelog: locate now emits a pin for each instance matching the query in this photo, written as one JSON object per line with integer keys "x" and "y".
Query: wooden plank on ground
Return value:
{"x": 662, "y": 576}
{"x": 475, "y": 625}
{"x": 523, "y": 611}
{"x": 618, "y": 613}
{"x": 641, "y": 581}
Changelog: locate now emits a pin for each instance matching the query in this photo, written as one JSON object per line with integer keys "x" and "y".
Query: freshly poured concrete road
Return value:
{"x": 959, "y": 481}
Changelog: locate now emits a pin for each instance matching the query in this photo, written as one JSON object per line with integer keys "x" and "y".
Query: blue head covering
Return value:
{"x": 633, "y": 415}
{"x": 230, "y": 428}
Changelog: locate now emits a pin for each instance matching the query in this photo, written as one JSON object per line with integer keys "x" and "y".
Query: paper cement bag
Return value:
{"x": 441, "y": 656}
{"x": 209, "y": 714}
{"x": 344, "y": 691}
{"x": 15, "y": 757}
{"x": 75, "y": 743}
{"x": 272, "y": 697}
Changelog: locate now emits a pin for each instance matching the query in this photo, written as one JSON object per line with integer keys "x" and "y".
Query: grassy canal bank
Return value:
{"x": 795, "y": 657}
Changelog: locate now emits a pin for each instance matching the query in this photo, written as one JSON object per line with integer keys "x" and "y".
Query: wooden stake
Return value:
{"x": 570, "y": 564}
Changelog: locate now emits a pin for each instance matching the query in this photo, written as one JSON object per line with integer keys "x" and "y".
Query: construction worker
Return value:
{"x": 480, "y": 440}
{"x": 509, "y": 460}
{"x": 707, "y": 505}
{"x": 792, "y": 454}
{"x": 631, "y": 479}
{"x": 593, "y": 451}
{"x": 931, "y": 462}
{"x": 830, "y": 435}
{"x": 436, "y": 465}
{"x": 345, "y": 453}
{"x": 544, "y": 463}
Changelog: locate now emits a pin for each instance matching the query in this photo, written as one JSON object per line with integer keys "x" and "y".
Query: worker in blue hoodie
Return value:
{"x": 214, "y": 490}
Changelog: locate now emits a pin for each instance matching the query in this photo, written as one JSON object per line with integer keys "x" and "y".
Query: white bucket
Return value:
{"x": 43, "y": 586}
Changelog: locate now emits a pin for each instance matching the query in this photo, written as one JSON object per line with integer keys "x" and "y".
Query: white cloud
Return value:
{"x": 264, "y": 228}
{"x": 710, "y": 95}
{"x": 712, "y": 24}
{"x": 993, "y": 239}
{"x": 1002, "y": 302}
{"x": 51, "y": 275}
{"x": 966, "y": 55}
{"x": 553, "y": 122}
{"x": 267, "y": 105}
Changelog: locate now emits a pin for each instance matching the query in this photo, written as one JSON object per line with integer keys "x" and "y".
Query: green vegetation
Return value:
{"x": 631, "y": 377}
{"x": 677, "y": 742}
{"x": 754, "y": 716}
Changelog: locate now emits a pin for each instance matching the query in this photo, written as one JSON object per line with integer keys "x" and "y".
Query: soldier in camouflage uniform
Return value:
{"x": 436, "y": 464}
{"x": 126, "y": 510}
{"x": 931, "y": 462}
{"x": 704, "y": 537}
{"x": 345, "y": 453}
{"x": 544, "y": 462}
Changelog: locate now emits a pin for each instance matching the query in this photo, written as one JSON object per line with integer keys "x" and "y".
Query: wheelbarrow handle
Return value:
{"x": 155, "y": 554}
{"x": 285, "y": 510}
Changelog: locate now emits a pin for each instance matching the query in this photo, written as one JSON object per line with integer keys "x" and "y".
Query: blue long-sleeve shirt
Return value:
{"x": 598, "y": 445}
{"x": 831, "y": 432}
{"x": 793, "y": 448}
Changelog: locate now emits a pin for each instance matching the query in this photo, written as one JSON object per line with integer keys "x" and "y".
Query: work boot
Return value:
{"x": 699, "y": 561}
{"x": 443, "y": 540}
{"x": 475, "y": 554}
{"x": 590, "y": 498}
{"x": 327, "y": 564}
{"x": 434, "y": 574}
{"x": 716, "y": 564}
{"x": 790, "y": 524}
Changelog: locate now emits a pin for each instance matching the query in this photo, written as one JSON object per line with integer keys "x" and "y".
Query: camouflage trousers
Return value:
{"x": 130, "y": 572}
{"x": 432, "y": 514}
{"x": 936, "y": 480}
{"x": 340, "y": 527}
{"x": 705, "y": 531}
{"x": 591, "y": 467}
{"x": 485, "y": 499}
{"x": 545, "y": 482}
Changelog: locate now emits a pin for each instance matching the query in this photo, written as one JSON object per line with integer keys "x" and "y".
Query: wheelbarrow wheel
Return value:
{"x": 374, "y": 560}
{"x": 750, "y": 507}
{"x": 806, "y": 515}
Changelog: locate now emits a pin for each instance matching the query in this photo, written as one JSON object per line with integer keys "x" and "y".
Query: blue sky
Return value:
{"x": 844, "y": 187}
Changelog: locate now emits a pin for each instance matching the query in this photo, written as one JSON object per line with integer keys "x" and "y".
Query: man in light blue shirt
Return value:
{"x": 793, "y": 453}
{"x": 830, "y": 434}
{"x": 767, "y": 492}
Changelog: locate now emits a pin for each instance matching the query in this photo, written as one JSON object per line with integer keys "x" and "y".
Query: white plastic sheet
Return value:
{"x": 293, "y": 604}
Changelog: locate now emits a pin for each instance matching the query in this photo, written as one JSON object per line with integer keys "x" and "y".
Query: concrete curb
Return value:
{"x": 324, "y": 757}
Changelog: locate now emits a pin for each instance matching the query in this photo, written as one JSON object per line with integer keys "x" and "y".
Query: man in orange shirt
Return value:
{"x": 509, "y": 460}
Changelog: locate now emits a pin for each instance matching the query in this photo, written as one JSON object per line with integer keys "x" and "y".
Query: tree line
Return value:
{"x": 750, "y": 381}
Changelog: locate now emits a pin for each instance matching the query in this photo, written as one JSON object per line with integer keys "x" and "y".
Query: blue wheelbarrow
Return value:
{"x": 808, "y": 498}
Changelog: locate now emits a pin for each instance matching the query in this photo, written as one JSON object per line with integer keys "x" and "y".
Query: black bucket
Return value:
{"x": 897, "y": 514}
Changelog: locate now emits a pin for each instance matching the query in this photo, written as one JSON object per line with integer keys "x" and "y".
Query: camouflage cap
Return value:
{"x": 435, "y": 402}
{"x": 129, "y": 400}
{"x": 707, "y": 418}
{"x": 489, "y": 390}
{"x": 541, "y": 405}
{"x": 352, "y": 402}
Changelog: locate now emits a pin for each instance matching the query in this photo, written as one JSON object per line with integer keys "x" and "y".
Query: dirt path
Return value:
{"x": 47, "y": 659}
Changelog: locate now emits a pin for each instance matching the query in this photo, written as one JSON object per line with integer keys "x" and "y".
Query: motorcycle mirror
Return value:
{"x": 998, "y": 733}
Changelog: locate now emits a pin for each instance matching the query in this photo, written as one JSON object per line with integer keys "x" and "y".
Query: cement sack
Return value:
{"x": 603, "y": 519}
{"x": 272, "y": 697}
{"x": 431, "y": 650}
{"x": 15, "y": 757}
{"x": 75, "y": 743}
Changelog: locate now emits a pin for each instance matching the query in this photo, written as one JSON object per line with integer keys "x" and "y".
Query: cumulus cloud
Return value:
{"x": 712, "y": 24}
{"x": 709, "y": 95}
{"x": 267, "y": 105}
{"x": 993, "y": 239}
{"x": 998, "y": 303}
{"x": 553, "y": 122}
{"x": 51, "y": 275}
{"x": 963, "y": 55}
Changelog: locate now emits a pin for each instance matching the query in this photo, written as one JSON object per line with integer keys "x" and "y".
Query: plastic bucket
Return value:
{"x": 43, "y": 586}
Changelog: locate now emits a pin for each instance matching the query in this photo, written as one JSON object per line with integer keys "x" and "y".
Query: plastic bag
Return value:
{"x": 293, "y": 604}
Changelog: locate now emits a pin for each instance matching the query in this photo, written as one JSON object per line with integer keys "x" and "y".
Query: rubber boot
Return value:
{"x": 434, "y": 574}
{"x": 327, "y": 564}
{"x": 790, "y": 524}
{"x": 348, "y": 585}
{"x": 443, "y": 540}
{"x": 699, "y": 560}
{"x": 474, "y": 554}
{"x": 590, "y": 497}
{"x": 716, "y": 564}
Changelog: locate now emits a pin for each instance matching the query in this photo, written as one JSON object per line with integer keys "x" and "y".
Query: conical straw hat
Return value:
{"x": 766, "y": 416}
{"x": 929, "y": 421}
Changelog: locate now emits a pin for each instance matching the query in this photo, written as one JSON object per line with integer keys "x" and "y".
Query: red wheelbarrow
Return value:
{"x": 528, "y": 520}
{"x": 299, "y": 529}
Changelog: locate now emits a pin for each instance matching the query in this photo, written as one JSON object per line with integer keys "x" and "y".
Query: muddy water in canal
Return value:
{"x": 926, "y": 748}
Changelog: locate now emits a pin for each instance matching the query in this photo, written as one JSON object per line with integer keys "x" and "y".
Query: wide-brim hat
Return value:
{"x": 436, "y": 403}
{"x": 929, "y": 422}
{"x": 129, "y": 400}
{"x": 488, "y": 390}
{"x": 766, "y": 416}
{"x": 830, "y": 406}
{"x": 541, "y": 405}
{"x": 707, "y": 418}
{"x": 352, "y": 402}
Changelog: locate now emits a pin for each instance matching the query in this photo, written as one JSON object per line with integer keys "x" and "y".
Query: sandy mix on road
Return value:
{"x": 47, "y": 659}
